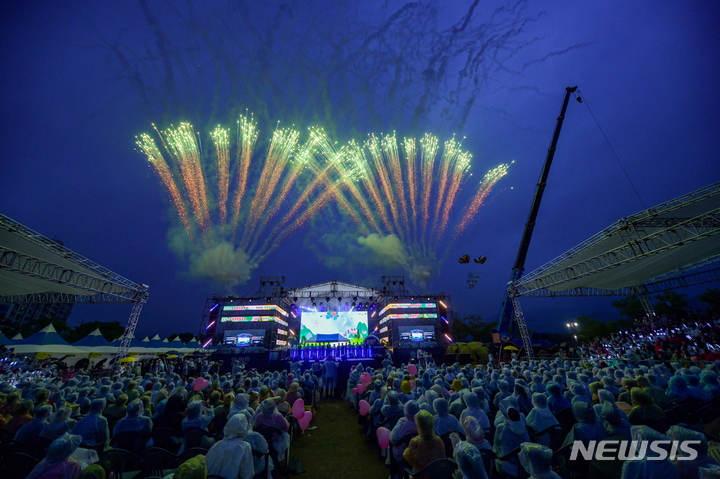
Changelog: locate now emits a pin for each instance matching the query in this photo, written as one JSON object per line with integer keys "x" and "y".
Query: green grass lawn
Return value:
{"x": 337, "y": 449}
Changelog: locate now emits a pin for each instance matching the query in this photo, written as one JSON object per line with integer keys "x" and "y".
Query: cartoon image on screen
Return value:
{"x": 352, "y": 325}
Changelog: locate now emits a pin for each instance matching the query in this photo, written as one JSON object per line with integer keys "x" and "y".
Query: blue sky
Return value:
{"x": 70, "y": 112}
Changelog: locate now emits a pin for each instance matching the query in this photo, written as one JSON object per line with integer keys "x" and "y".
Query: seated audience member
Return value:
{"x": 426, "y": 446}
{"x": 474, "y": 433}
{"x": 134, "y": 421}
{"x": 197, "y": 416}
{"x": 556, "y": 401}
{"x": 710, "y": 383}
{"x": 293, "y": 394}
{"x": 172, "y": 414}
{"x": 403, "y": 427}
{"x": 536, "y": 460}
{"x": 693, "y": 383}
{"x": 655, "y": 393}
{"x": 34, "y": 427}
{"x": 22, "y": 415}
{"x": 193, "y": 468}
{"x": 268, "y": 415}
{"x": 504, "y": 391}
{"x": 469, "y": 461}
{"x": 677, "y": 389}
{"x": 475, "y": 410}
{"x": 283, "y": 406}
{"x": 444, "y": 422}
{"x": 644, "y": 411}
{"x": 524, "y": 401}
{"x": 93, "y": 428}
{"x": 59, "y": 424}
{"x": 541, "y": 418}
{"x": 232, "y": 457}
{"x": 628, "y": 384}
{"x": 612, "y": 421}
{"x": 690, "y": 469}
{"x": 509, "y": 434}
{"x": 116, "y": 411}
{"x": 57, "y": 463}
{"x": 586, "y": 429}
{"x": 650, "y": 466}
{"x": 242, "y": 405}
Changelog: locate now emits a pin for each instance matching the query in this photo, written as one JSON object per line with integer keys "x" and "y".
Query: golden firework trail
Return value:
{"x": 409, "y": 190}
{"x": 221, "y": 199}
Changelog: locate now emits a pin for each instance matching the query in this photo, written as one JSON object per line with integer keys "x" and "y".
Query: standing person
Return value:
{"x": 330, "y": 369}
{"x": 491, "y": 358}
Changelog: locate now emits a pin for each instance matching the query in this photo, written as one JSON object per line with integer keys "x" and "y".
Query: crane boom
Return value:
{"x": 505, "y": 325}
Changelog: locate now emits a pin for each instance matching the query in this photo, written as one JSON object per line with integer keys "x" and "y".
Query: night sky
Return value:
{"x": 79, "y": 82}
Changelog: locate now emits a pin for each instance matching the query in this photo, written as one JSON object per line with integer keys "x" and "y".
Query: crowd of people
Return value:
{"x": 509, "y": 414}
{"x": 692, "y": 336}
{"x": 80, "y": 418}
{"x": 522, "y": 415}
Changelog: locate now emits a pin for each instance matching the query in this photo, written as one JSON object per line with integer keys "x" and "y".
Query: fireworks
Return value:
{"x": 235, "y": 207}
{"x": 403, "y": 202}
{"x": 238, "y": 219}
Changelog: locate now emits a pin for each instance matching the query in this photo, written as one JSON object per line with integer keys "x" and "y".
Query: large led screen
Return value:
{"x": 352, "y": 325}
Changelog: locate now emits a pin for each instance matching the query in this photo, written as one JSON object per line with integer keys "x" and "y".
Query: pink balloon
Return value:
{"x": 412, "y": 384}
{"x": 366, "y": 379}
{"x": 298, "y": 409}
{"x": 360, "y": 389}
{"x": 412, "y": 369}
{"x": 383, "y": 435}
{"x": 200, "y": 384}
{"x": 355, "y": 391}
{"x": 304, "y": 421}
{"x": 364, "y": 407}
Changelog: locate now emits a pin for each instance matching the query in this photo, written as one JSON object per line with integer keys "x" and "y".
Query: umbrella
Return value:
{"x": 128, "y": 359}
{"x": 511, "y": 348}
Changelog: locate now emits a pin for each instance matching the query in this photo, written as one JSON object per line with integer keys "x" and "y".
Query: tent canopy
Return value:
{"x": 678, "y": 235}
{"x": 46, "y": 340}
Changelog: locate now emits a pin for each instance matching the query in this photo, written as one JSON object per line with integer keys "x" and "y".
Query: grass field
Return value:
{"x": 336, "y": 449}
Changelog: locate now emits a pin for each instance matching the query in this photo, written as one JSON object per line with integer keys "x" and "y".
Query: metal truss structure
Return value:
{"x": 655, "y": 286}
{"x": 643, "y": 236}
{"x": 656, "y": 250}
{"x": 78, "y": 279}
{"x": 98, "y": 289}
{"x": 522, "y": 327}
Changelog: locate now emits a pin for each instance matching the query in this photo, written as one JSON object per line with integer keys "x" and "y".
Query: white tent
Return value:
{"x": 46, "y": 340}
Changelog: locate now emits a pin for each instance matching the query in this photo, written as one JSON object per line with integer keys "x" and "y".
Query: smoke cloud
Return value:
{"x": 221, "y": 261}
{"x": 388, "y": 248}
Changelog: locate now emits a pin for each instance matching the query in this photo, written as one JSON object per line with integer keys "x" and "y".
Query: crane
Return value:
{"x": 505, "y": 324}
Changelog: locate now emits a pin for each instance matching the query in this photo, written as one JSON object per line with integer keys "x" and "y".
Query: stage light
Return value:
{"x": 339, "y": 299}
{"x": 210, "y": 325}
{"x": 353, "y": 303}
{"x": 442, "y": 304}
{"x": 441, "y": 317}
{"x": 208, "y": 342}
{"x": 448, "y": 338}
{"x": 216, "y": 305}
{"x": 295, "y": 299}
{"x": 327, "y": 300}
